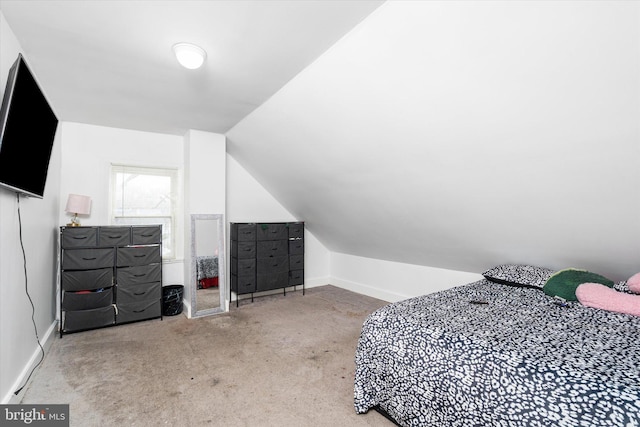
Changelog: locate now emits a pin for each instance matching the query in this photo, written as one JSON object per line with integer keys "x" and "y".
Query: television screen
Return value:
{"x": 27, "y": 131}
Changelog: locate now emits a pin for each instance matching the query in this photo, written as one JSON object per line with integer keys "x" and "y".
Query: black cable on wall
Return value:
{"x": 33, "y": 308}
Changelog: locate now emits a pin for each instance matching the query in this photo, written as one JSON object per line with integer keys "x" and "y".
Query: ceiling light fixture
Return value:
{"x": 189, "y": 55}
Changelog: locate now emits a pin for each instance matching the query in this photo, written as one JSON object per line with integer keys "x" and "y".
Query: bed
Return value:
{"x": 499, "y": 354}
{"x": 207, "y": 271}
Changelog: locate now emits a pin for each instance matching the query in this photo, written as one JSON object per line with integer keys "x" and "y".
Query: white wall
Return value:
{"x": 87, "y": 154}
{"x": 37, "y": 220}
{"x": 392, "y": 281}
{"x": 205, "y": 189}
{"x": 248, "y": 201}
{"x": 205, "y": 172}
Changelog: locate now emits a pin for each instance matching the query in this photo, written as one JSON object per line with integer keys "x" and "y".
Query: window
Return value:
{"x": 141, "y": 195}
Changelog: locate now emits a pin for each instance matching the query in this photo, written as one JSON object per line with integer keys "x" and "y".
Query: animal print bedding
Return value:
{"x": 488, "y": 354}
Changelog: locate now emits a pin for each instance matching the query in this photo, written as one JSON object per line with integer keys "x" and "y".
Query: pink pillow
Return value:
{"x": 634, "y": 283}
{"x": 599, "y": 296}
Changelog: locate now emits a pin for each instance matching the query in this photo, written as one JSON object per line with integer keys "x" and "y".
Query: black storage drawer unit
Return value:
{"x": 85, "y": 259}
{"x": 140, "y": 310}
{"x": 87, "y": 300}
{"x": 243, "y": 284}
{"x": 82, "y": 320}
{"x": 272, "y": 265}
{"x": 296, "y": 277}
{"x": 114, "y": 236}
{"x": 79, "y": 237}
{"x": 137, "y": 293}
{"x": 146, "y": 235}
{"x": 244, "y": 267}
{"x": 267, "y": 282}
{"x": 296, "y": 247}
{"x": 138, "y": 255}
{"x": 109, "y": 275}
{"x": 273, "y": 248}
{"x": 272, "y": 231}
{"x": 296, "y": 262}
{"x": 139, "y": 274}
{"x": 244, "y": 232}
{"x": 87, "y": 280}
{"x": 296, "y": 230}
{"x": 244, "y": 250}
{"x": 266, "y": 256}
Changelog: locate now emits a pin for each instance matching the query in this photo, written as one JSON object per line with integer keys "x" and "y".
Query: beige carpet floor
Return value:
{"x": 279, "y": 361}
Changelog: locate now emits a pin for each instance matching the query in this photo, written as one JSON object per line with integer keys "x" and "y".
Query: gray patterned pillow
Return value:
{"x": 519, "y": 275}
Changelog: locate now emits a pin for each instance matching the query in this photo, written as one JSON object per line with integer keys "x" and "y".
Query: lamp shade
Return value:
{"x": 78, "y": 204}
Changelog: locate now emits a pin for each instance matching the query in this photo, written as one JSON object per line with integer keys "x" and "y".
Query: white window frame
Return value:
{"x": 173, "y": 173}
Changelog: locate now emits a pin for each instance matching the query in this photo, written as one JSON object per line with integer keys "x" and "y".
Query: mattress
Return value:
{"x": 489, "y": 354}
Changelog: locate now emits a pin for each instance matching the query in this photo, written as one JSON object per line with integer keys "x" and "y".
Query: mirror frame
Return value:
{"x": 222, "y": 284}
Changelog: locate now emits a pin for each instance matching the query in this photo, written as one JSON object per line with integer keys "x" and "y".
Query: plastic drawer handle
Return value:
{"x": 138, "y": 311}
{"x": 88, "y": 259}
{"x": 140, "y": 256}
{"x": 140, "y": 275}
{"x": 139, "y": 293}
{"x": 114, "y": 237}
{"x": 79, "y": 238}
{"x": 147, "y": 235}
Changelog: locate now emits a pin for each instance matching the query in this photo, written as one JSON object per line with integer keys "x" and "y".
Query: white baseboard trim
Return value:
{"x": 186, "y": 308}
{"x": 45, "y": 341}
{"x": 359, "y": 288}
{"x": 317, "y": 281}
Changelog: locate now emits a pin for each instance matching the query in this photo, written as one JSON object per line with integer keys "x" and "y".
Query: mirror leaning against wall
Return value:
{"x": 207, "y": 265}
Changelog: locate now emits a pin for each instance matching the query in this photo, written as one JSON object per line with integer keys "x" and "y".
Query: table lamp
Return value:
{"x": 78, "y": 205}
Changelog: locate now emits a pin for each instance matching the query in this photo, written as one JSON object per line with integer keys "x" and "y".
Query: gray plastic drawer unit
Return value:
{"x": 109, "y": 275}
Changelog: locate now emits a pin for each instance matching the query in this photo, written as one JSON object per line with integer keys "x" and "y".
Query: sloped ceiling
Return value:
{"x": 465, "y": 134}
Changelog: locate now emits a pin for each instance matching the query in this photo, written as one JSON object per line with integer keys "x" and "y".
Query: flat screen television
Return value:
{"x": 27, "y": 130}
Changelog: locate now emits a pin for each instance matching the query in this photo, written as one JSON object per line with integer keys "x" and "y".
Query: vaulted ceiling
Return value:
{"x": 449, "y": 134}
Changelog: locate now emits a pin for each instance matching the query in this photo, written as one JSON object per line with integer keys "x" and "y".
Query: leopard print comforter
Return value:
{"x": 488, "y": 354}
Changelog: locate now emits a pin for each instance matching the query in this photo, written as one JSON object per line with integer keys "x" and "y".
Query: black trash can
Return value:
{"x": 172, "y": 299}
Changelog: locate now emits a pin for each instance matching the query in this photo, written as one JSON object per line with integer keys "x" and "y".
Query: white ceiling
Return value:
{"x": 110, "y": 63}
